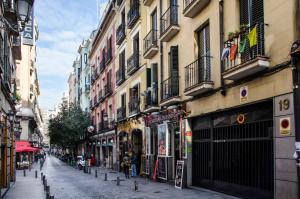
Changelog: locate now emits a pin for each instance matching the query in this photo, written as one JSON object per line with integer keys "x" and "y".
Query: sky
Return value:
{"x": 63, "y": 24}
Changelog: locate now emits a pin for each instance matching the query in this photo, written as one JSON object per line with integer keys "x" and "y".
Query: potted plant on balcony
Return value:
{"x": 243, "y": 28}
{"x": 230, "y": 36}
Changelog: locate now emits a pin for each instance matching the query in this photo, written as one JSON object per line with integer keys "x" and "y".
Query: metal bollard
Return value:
{"x": 51, "y": 197}
{"x": 42, "y": 176}
{"x": 48, "y": 189}
{"x": 118, "y": 181}
{"x": 136, "y": 188}
{"x": 29, "y": 168}
{"x": 35, "y": 173}
{"x": 45, "y": 185}
{"x": 24, "y": 172}
{"x": 105, "y": 177}
{"x": 47, "y": 195}
{"x": 96, "y": 173}
{"x": 90, "y": 170}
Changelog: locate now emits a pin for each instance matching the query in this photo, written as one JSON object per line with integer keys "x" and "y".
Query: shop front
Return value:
{"x": 163, "y": 144}
{"x": 131, "y": 141}
{"x": 232, "y": 151}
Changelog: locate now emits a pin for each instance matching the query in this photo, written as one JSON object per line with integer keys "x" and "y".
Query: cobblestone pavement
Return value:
{"x": 70, "y": 183}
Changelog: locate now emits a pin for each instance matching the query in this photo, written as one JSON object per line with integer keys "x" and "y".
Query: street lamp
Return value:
{"x": 11, "y": 116}
{"x": 23, "y": 11}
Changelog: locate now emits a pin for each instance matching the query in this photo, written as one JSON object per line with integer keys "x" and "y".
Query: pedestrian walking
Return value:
{"x": 42, "y": 160}
{"x": 126, "y": 164}
{"x": 133, "y": 164}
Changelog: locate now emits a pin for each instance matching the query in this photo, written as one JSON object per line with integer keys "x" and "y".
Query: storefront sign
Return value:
{"x": 179, "y": 174}
{"x": 160, "y": 118}
{"x": 28, "y": 33}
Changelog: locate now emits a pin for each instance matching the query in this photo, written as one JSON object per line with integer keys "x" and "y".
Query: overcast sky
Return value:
{"x": 63, "y": 24}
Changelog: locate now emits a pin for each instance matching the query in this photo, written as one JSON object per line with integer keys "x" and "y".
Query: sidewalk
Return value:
{"x": 27, "y": 187}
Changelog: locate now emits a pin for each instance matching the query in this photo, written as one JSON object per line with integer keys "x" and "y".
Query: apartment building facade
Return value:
{"x": 103, "y": 64}
{"x": 209, "y": 83}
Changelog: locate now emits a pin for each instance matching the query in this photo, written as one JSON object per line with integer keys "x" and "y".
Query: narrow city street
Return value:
{"x": 70, "y": 183}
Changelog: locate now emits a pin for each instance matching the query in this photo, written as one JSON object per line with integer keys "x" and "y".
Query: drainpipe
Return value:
{"x": 295, "y": 61}
{"x": 161, "y": 55}
{"x": 221, "y": 19}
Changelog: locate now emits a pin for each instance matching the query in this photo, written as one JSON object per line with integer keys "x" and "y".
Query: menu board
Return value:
{"x": 179, "y": 174}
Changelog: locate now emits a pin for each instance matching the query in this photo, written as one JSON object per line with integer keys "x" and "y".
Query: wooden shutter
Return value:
{"x": 174, "y": 61}
{"x": 149, "y": 77}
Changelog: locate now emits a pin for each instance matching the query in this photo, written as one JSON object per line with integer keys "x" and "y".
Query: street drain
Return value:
{"x": 157, "y": 192}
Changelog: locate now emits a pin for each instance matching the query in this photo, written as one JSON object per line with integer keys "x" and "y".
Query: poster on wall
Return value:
{"x": 162, "y": 139}
{"x": 179, "y": 174}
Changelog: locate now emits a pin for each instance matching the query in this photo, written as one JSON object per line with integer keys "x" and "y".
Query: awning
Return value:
{"x": 24, "y": 146}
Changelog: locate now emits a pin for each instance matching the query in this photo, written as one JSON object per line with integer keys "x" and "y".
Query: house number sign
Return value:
{"x": 283, "y": 105}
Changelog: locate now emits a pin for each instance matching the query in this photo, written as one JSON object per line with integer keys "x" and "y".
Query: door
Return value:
{"x": 203, "y": 67}
{"x": 233, "y": 152}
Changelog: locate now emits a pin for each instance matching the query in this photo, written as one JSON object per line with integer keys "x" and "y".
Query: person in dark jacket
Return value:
{"x": 126, "y": 164}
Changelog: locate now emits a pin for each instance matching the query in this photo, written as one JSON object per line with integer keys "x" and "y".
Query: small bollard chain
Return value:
{"x": 36, "y": 173}
{"x": 105, "y": 177}
{"x": 118, "y": 181}
{"x": 96, "y": 173}
{"x": 24, "y": 172}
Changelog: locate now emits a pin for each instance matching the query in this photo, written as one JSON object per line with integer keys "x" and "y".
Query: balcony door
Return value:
{"x": 203, "y": 68}
{"x": 136, "y": 45}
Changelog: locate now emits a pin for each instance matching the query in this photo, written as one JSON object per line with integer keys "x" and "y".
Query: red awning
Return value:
{"x": 24, "y": 146}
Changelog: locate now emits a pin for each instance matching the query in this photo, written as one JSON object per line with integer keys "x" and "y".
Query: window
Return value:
{"x": 123, "y": 100}
{"x": 85, "y": 58}
{"x": 154, "y": 20}
{"x": 203, "y": 40}
{"x": 251, "y": 11}
{"x": 136, "y": 46}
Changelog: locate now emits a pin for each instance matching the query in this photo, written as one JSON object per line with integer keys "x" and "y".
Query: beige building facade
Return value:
{"x": 208, "y": 83}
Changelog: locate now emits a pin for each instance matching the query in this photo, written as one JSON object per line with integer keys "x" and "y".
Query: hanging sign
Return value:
{"x": 179, "y": 174}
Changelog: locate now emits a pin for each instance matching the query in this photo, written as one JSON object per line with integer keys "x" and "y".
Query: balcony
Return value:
{"x": 133, "y": 14}
{"x": 251, "y": 60}
{"x": 87, "y": 87}
{"x": 105, "y": 126}
{"x": 192, "y": 7}
{"x": 121, "y": 34}
{"x": 170, "y": 91}
{"x": 151, "y": 99}
{"x": 134, "y": 106}
{"x": 150, "y": 44}
{"x": 102, "y": 65}
{"x": 101, "y": 96}
{"x": 121, "y": 114}
{"x": 108, "y": 90}
{"x": 147, "y": 2}
{"x": 120, "y": 76}
{"x": 108, "y": 56}
{"x": 133, "y": 63}
{"x": 169, "y": 24}
{"x": 198, "y": 76}
{"x": 95, "y": 100}
{"x": 91, "y": 104}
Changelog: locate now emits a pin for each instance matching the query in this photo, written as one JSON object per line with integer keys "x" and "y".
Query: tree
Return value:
{"x": 68, "y": 127}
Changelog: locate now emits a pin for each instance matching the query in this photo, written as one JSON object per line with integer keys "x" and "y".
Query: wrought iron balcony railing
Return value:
{"x": 198, "y": 72}
{"x": 108, "y": 56}
{"x": 108, "y": 125}
{"x": 108, "y": 90}
{"x": 246, "y": 53}
{"x": 120, "y": 76}
{"x": 170, "y": 87}
{"x": 102, "y": 64}
{"x": 134, "y": 105}
{"x": 133, "y": 63}
{"x": 169, "y": 18}
{"x": 121, "y": 34}
{"x": 121, "y": 113}
{"x": 150, "y": 40}
{"x": 133, "y": 14}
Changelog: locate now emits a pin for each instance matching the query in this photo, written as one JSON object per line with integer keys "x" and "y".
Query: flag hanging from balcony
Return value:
{"x": 243, "y": 44}
{"x": 233, "y": 51}
{"x": 252, "y": 36}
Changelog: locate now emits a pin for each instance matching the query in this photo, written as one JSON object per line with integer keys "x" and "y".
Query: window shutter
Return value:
{"x": 149, "y": 70}
{"x": 174, "y": 61}
{"x": 154, "y": 74}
